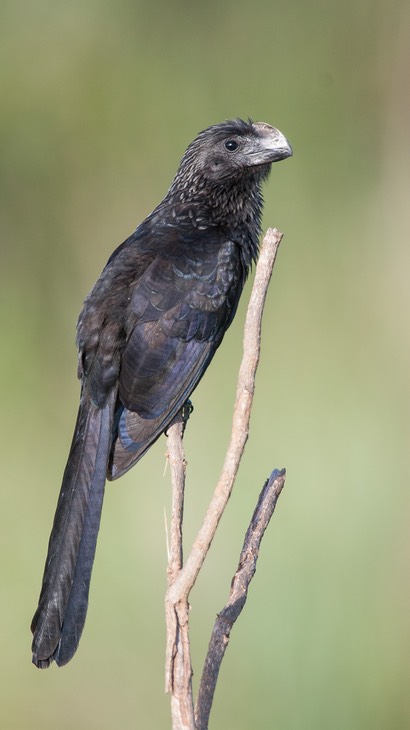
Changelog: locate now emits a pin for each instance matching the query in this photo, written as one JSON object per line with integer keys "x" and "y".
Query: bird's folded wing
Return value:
{"x": 181, "y": 308}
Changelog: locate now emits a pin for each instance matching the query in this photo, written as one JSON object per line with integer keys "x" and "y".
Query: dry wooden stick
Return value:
{"x": 178, "y": 669}
{"x": 237, "y": 596}
{"x": 241, "y": 417}
{"x": 178, "y": 664}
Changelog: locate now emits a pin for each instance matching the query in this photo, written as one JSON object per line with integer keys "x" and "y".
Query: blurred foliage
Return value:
{"x": 99, "y": 100}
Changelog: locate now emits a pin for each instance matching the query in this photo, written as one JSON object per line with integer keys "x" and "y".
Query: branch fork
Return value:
{"x": 182, "y": 576}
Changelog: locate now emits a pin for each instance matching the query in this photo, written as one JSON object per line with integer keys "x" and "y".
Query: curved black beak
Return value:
{"x": 272, "y": 145}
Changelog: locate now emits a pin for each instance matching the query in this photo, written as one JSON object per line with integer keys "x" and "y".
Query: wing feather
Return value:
{"x": 180, "y": 309}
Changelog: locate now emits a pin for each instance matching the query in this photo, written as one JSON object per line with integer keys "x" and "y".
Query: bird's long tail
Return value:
{"x": 59, "y": 620}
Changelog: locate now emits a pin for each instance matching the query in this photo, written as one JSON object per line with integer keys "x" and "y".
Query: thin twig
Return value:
{"x": 240, "y": 426}
{"x": 176, "y": 459}
{"x": 237, "y": 596}
{"x": 178, "y": 669}
{"x": 181, "y": 579}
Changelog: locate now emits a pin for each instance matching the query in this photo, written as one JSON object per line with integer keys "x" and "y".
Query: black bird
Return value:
{"x": 146, "y": 334}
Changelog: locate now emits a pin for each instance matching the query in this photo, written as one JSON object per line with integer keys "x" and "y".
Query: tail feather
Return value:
{"x": 59, "y": 620}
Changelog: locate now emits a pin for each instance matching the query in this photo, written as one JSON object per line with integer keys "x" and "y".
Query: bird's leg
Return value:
{"x": 185, "y": 412}
{"x": 182, "y": 416}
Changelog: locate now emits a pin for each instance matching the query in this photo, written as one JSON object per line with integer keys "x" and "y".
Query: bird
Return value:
{"x": 146, "y": 334}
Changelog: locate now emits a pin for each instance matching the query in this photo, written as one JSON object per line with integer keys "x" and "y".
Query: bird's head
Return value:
{"x": 233, "y": 150}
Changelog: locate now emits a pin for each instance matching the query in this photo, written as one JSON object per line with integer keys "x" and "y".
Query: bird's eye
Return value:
{"x": 231, "y": 145}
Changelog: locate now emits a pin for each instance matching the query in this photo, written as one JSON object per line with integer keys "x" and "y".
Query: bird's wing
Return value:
{"x": 180, "y": 309}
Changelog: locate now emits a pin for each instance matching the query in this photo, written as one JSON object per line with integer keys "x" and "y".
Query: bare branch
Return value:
{"x": 177, "y": 463}
{"x": 178, "y": 669}
{"x": 237, "y": 596}
{"x": 182, "y": 578}
{"x": 241, "y": 416}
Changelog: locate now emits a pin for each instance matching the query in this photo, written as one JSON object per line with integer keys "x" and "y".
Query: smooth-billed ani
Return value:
{"x": 146, "y": 334}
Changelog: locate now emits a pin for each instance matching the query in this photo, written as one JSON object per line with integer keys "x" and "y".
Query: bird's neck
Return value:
{"x": 235, "y": 208}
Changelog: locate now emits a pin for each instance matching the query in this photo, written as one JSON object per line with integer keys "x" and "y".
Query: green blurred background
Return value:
{"x": 99, "y": 100}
